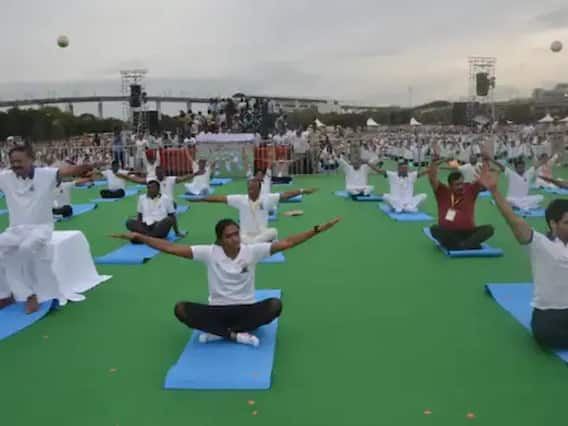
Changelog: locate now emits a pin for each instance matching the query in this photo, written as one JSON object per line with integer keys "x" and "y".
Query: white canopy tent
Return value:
{"x": 546, "y": 119}
{"x": 372, "y": 123}
{"x": 564, "y": 120}
{"x": 415, "y": 122}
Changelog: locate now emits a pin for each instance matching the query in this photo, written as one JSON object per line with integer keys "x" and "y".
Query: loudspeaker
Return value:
{"x": 150, "y": 118}
{"x": 482, "y": 84}
{"x": 459, "y": 114}
{"x": 135, "y": 95}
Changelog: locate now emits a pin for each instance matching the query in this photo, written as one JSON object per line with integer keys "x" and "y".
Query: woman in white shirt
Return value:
{"x": 232, "y": 312}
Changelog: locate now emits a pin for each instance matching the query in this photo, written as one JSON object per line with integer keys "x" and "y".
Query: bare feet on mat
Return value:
{"x": 6, "y": 302}
{"x": 208, "y": 338}
{"x": 32, "y": 304}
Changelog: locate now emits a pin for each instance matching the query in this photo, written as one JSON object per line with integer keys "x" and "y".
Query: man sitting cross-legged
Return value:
{"x": 156, "y": 213}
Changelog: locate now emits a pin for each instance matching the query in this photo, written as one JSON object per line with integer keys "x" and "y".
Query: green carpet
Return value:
{"x": 377, "y": 327}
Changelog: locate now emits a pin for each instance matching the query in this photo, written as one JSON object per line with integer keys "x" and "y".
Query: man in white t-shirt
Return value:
{"x": 545, "y": 169}
{"x": 167, "y": 187}
{"x": 156, "y": 213}
{"x": 233, "y": 313}
{"x": 520, "y": 181}
{"x": 25, "y": 253}
{"x": 548, "y": 255}
{"x": 356, "y": 177}
{"x": 469, "y": 171}
{"x": 401, "y": 196}
{"x": 201, "y": 184}
{"x": 254, "y": 210}
{"x": 116, "y": 184}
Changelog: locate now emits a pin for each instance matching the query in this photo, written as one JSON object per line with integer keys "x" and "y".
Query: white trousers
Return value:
{"x": 5, "y": 291}
{"x": 409, "y": 205}
{"x": 265, "y": 236}
{"x": 526, "y": 203}
{"x": 27, "y": 256}
{"x": 197, "y": 189}
{"x": 355, "y": 190}
{"x": 544, "y": 184}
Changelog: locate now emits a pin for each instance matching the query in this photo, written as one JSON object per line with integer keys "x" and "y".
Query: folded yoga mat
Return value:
{"x": 78, "y": 210}
{"x": 128, "y": 193}
{"x": 371, "y": 197}
{"x": 13, "y": 318}
{"x": 404, "y": 217}
{"x": 275, "y": 258}
{"x": 516, "y": 299}
{"x": 225, "y": 365}
{"x": 220, "y": 181}
{"x": 557, "y": 191}
{"x": 131, "y": 254}
{"x": 191, "y": 197}
{"x": 485, "y": 251}
{"x": 526, "y": 213}
{"x": 296, "y": 199}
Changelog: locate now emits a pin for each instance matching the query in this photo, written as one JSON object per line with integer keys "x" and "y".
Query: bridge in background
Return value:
{"x": 287, "y": 103}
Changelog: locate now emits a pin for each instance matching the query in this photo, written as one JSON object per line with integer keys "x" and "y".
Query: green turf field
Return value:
{"x": 377, "y": 327}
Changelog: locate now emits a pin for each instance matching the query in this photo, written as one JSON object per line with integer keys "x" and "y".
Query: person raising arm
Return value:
{"x": 548, "y": 255}
{"x": 232, "y": 312}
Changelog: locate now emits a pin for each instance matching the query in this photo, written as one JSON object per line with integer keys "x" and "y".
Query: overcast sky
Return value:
{"x": 368, "y": 51}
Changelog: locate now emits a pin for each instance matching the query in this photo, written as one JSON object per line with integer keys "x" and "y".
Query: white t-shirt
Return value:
{"x": 113, "y": 181}
{"x": 30, "y": 201}
{"x": 300, "y": 144}
{"x": 155, "y": 209}
{"x": 402, "y": 187}
{"x": 519, "y": 186}
{"x": 549, "y": 262}
{"x": 200, "y": 183}
{"x": 469, "y": 172}
{"x": 63, "y": 194}
{"x": 253, "y": 215}
{"x": 167, "y": 186}
{"x": 231, "y": 281}
{"x": 355, "y": 178}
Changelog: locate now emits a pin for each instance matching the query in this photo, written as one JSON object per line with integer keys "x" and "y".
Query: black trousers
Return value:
{"x": 462, "y": 240}
{"x": 550, "y": 327}
{"x": 224, "y": 320}
{"x": 118, "y": 156}
{"x": 281, "y": 179}
{"x": 65, "y": 211}
{"x": 117, "y": 193}
{"x": 159, "y": 229}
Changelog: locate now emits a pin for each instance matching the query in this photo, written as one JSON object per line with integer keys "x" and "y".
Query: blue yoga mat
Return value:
{"x": 282, "y": 183}
{"x": 78, "y": 210}
{"x": 3, "y": 212}
{"x": 13, "y": 318}
{"x": 296, "y": 199}
{"x": 96, "y": 183}
{"x": 131, "y": 254}
{"x": 526, "y": 213}
{"x": 273, "y": 216}
{"x": 404, "y": 217}
{"x": 226, "y": 365}
{"x": 220, "y": 181}
{"x": 1, "y": 195}
{"x": 371, "y": 197}
{"x": 275, "y": 258}
{"x": 484, "y": 194}
{"x": 558, "y": 191}
{"x": 191, "y": 197}
{"x": 182, "y": 209}
{"x": 516, "y": 299}
{"x": 485, "y": 251}
{"x": 128, "y": 193}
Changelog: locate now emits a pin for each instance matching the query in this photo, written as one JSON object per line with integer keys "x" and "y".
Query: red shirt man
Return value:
{"x": 456, "y": 228}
